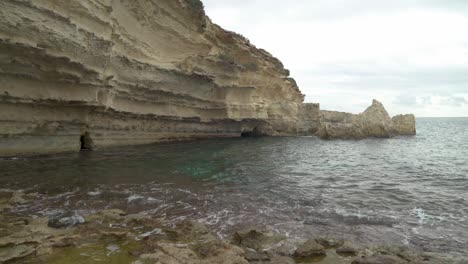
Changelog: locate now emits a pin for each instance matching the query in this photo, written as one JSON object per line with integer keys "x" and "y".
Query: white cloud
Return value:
{"x": 344, "y": 53}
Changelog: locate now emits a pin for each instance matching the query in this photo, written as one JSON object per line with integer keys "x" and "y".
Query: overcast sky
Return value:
{"x": 410, "y": 54}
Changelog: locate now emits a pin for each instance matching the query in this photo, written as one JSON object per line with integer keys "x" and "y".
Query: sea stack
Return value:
{"x": 373, "y": 122}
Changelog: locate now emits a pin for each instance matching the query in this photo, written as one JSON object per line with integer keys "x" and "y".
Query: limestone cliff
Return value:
{"x": 85, "y": 74}
{"x": 94, "y": 73}
{"x": 373, "y": 122}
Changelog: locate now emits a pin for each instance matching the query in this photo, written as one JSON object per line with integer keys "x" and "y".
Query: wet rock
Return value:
{"x": 21, "y": 237}
{"x": 115, "y": 235}
{"x": 409, "y": 255}
{"x": 329, "y": 242}
{"x": 285, "y": 247}
{"x": 139, "y": 220}
{"x": 190, "y": 231}
{"x": 275, "y": 260}
{"x": 66, "y": 219}
{"x": 17, "y": 252}
{"x": 380, "y": 259}
{"x": 170, "y": 253}
{"x": 256, "y": 239}
{"x": 252, "y": 255}
{"x": 5, "y": 206}
{"x": 18, "y": 198}
{"x": 310, "y": 249}
{"x": 208, "y": 248}
{"x": 5, "y": 200}
{"x": 227, "y": 254}
{"x": 109, "y": 215}
{"x": 347, "y": 249}
{"x": 65, "y": 241}
{"x": 368, "y": 253}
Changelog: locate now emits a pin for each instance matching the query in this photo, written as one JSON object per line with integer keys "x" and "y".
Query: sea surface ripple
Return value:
{"x": 405, "y": 191}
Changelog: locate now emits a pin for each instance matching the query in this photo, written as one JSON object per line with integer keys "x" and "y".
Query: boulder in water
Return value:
{"x": 256, "y": 239}
{"x": 310, "y": 249}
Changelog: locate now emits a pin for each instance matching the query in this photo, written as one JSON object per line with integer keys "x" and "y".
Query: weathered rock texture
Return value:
{"x": 84, "y": 74}
{"x": 374, "y": 122}
{"x": 132, "y": 72}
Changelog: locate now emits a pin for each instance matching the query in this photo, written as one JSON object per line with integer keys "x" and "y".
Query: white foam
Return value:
{"x": 156, "y": 231}
{"x": 134, "y": 197}
{"x": 425, "y": 218}
{"x": 112, "y": 249}
{"x": 95, "y": 193}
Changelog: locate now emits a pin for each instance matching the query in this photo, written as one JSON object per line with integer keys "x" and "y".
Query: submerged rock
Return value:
{"x": 66, "y": 219}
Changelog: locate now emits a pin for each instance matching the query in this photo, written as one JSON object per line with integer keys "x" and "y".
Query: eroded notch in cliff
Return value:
{"x": 86, "y": 142}
{"x": 255, "y": 132}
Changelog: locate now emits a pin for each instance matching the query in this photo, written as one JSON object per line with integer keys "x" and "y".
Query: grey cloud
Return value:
{"x": 341, "y": 85}
{"x": 330, "y": 9}
{"x": 369, "y": 76}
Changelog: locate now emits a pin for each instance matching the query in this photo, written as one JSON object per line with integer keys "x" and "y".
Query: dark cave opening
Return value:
{"x": 86, "y": 143}
{"x": 253, "y": 133}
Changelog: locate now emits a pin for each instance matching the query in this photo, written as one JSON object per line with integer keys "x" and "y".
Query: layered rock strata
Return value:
{"x": 96, "y": 73}
{"x": 86, "y": 74}
{"x": 373, "y": 122}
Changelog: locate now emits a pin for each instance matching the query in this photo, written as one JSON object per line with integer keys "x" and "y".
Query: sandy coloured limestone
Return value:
{"x": 373, "y": 122}
{"x": 85, "y": 74}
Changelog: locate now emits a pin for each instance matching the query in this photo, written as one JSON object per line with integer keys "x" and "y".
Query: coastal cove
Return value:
{"x": 403, "y": 191}
{"x": 142, "y": 132}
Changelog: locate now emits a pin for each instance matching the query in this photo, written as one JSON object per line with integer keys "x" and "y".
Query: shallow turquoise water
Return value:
{"x": 405, "y": 190}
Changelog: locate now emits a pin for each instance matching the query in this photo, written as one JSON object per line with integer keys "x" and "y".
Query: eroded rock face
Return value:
{"x": 87, "y": 74}
{"x": 373, "y": 122}
{"x": 404, "y": 124}
{"x": 94, "y": 73}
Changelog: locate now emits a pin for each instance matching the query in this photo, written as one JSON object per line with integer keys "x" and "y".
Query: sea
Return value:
{"x": 406, "y": 191}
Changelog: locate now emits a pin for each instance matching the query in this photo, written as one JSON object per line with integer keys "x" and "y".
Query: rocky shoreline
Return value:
{"x": 113, "y": 236}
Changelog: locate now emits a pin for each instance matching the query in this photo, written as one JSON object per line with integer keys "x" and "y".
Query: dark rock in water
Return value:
{"x": 256, "y": 239}
{"x": 329, "y": 242}
{"x": 66, "y": 219}
{"x": 347, "y": 249}
{"x": 380, "y": 259}
{"x": 310, "y": 249}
